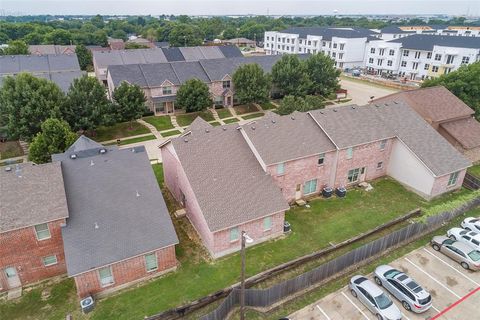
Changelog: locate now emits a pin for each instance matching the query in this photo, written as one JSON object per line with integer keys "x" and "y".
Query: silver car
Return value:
{"x": 405, "y": 289}
{"x": 374, "y": 298}
{"x": 471, "y": 238}
{"x": 468, "y": 257}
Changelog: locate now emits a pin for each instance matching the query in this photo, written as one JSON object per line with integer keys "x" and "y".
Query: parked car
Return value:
{"x": 405, "y": 289}
{"x": 468, "y": 257}
{"x": 471, "y": 223}
{"x": 374, "y": 298}
{"x": 471, "y": 238}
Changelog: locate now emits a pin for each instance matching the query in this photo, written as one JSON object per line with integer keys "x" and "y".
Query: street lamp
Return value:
{"x": 245, "y": 239}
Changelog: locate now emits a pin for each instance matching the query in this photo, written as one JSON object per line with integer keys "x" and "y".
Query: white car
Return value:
{"x": 472, "y": 224}
{"x": 471, "y": 238}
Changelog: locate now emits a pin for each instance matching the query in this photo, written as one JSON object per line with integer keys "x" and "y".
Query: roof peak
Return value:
{"x": 84, "y": 143}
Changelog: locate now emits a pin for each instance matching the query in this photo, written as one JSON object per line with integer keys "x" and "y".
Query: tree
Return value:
{"x": 33, "y": 38}
{"x": 120, "y": 34}
{"x": 193, "y": 95}
{"x": 25, "y": 102}
{"x": 97, "y": 21}
{"x": 251, "y": 84}
{"x": 86, "y": 105}
{"x": 55, "y": 137}
{"x": 290, "y": 77}
{"x": 323, "y": 74}
{"x": 185, "y": 35}
{"x": 290, "y": 104}
{"x": 230, "y": 32}
{"x": 84, "y": 57}
{"x": 16, "y": 47}
{"x": 134, "y": 45}
{"x": 130, "y": 101}
{"x": 59, "y": 36}
{"x": 463, "y": 83}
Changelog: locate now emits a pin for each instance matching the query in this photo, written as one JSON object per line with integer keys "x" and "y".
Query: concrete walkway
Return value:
{"x": 173, "y": 118}
{"x": 215, "y": 116}
{"x": 151, "y": 128}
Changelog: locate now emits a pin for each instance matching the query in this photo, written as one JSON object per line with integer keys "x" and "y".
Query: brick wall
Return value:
{"x": 125, "y": 273}
{"x": 440, "y": 184}
{"x": 21, "y": 249}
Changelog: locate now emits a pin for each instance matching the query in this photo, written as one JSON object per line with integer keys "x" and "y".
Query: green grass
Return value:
{"x": 10, "y": 149}
{"x": 9, "y": 163}
{"x": 343, "y": 100}
{"x": 186, "y": 119}
{"x": 475, "y": 170}
{"x": 268, "y": 106}
{"x": 160, "y": 123}
{"x": 232, "y": 120}
{"x": 133, "y": 140}
{"x": 253, "y": 115}
{"x": 224, "y": 113}
{"x": 170, "y": 133}
{"x": 245, "y": 108}
{"x": 215, "y": 123}
{"x": 120, "y": 130}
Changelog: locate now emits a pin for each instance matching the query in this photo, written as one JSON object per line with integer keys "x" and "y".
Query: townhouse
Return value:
{"x": 243, "y": 176}
{"x": 346, "y": 46}
{"x": 43, "y": 49}
{"x": 419, "y": 57}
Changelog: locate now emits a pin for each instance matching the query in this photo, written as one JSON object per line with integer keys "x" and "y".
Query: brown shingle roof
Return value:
{"x": 433, "y": 104}
{"x": 466, "y": 131}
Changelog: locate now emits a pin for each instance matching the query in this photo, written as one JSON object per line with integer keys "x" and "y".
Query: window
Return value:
{"x": 309, "y": 42}
{"x": 389, "y": 63}
{"x": 453, "y": 179}
{"x": 310, "y": 186}
{"x": 438, "y": 57}
{"x": 321, "y": 159}
{"x": 324, "y": 43}
{"x": 267, "y": 223}
{"x": 106, "y": 277}
{"x": 383, "y": 143}
{"x": 417, "y": 54}
{"x": 415, "y": 65}
{"x": 379, "y": 62}
{"x": 342, "y": 46}
{"x": 380, "y": 165}
{"x": 167, "y": 90}
{"x": 391, "y": 52}
{"x": 288, "y": 40}
{"x": 268, "y": 38}
{"x": 426, "y": 67}
{"x": 340, "y": 56}
{"x": 429, "y": 55}
{"x": 353, "y": 175}
{"x": 381, "y": 52}
{"x": 49, "y": 261}
{"x": 404, "y": 63}
{"x": 234, "y": 234}
{"x": 434, "y": 69}
{"x": 370, "y": 60}
{"x": 151, "y": 262}
{"x": 334, "y": 54}
{"x": 405, "y": 53}
{"x": 450, "y": 59}
{"x": 280, "y": 168}
{"x": 372, "y": 50}
{"x": 465, "y": 60}
{"x": 349, "y": 153}
{"x": 226, "y": 84}
{"x": 334, "y": 45}
{"x": 42, "y": 231}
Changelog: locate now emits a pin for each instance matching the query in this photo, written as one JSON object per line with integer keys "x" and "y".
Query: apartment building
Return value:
{"x": 419, "y": 56}
{"x": 397, "y": 32}
{"x": 346, "y": 46}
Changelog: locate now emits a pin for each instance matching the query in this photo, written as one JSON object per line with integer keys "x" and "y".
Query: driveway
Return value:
{"x": 360, "y": 92}
{"x": 455, "y": 292}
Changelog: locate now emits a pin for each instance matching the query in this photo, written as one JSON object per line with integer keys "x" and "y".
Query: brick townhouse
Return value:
{"x": 296, "y": 156}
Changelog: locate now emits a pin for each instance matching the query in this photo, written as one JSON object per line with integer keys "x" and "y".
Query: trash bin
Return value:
{"x": 341, "y": 192}
{"x": 87, "y": 304}
{"x": 327, "y": 192}
{"x": 286, "y": 226}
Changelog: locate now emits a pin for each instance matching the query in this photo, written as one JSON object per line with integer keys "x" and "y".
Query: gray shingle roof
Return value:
{"x": 116, "y": 208}
{"x": 189, "y": 70}
{"x": 38, "y": 64}
{"x": 31, "y": 195}
{"x": 426, "y": 42}
{"x": 328, "y": 33}
{"x": 199, "y": 124}
{"x": 156, "y": 73}
{"x": 211, "y": 52}
{"x": 103, "y": 59}
{"x": 230, "y": 51}
{"x": 173, "y": 54}
{"x": 232, "y": 194}
{"x": 282, "y": 138}
{"x": 192, "y": 53}
{"x": 65, "y": 78}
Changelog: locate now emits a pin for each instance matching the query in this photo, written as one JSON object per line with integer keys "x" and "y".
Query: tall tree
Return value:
{"x": 59, "y": 36}
{"x": 290, "y": 104}
{"x": 193, "y": 95}
{"x": 55, "y": 137}
{"x": 26, "y": 101}
{"x": 84, "y": 57}
{"x": 16, "y": 47}
{"x": 185, "y": 35}
{"x": 86, "y": 105}
{"x": 290, "y": 77}
{"x": 130, "y": 101}
{"x": 323, "y": 74}
{"x": 251, "y": 84}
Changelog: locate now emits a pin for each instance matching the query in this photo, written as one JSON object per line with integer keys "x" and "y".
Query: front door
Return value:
{"x": 229, "y": 101}
{"x": 12, "y": 277}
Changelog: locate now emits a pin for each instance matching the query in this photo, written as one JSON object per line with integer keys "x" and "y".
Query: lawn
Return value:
{"x": 475, "y": 170}
{"x": 186, "y": 119}
{"x": 170, "y": 133}
{"x": 119, "y": 130}
{"x": 160, "y": 123}
{"x": 232, "y": 120}
{"x": 268, "y": 106}
{"x": 10, "y": 149}
{"x": 215, "y": 123}
{"x": 253, "y": 115}
{"x": 133, "y": 140}
{"x": 245, "y": 108}
{"x": 224, "y": 113}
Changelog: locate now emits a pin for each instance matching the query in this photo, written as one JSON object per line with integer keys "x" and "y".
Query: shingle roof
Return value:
{"x": 199, "y": 124}
{"x": 65, "y": 78}
{"x": 173, "y": 54}
{"x": 31, "y": 195}
{"x": 192, "y": 53}
{"x": 103, "y": 59}
{"x": 396, "y": 30}
{"x": 188, "y": 70}
{"x": 427, "y": 42}
{"x": 232, "y": 194}
{"x": 466, "y": 131}
{"x": 328, "y": 33}
{"x": 38, "y": 64}
{"x": 116, "y": 208}
{"x": 211, "y": 52}
{"x": 230, "y": 51}
{"x": 51, "y": 49}
{"x": 282, "y": 138}
{"x": 433, "y": 104}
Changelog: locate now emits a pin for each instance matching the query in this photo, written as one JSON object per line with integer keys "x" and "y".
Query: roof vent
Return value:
{"x": 224, "y": 129}
{"x": 8, "y": 169}
{"x": 138, "y": 194}
{"x": 386, "y": 104}
{"x": 133, "y": 150}
{"x": 273, "y": 121}
{"x": 185, "y": 140}
{"x": 207, "y": 130}
{"x": 102, "y": 151}
{"x": 353, "y": 107}
{"x": 292, "y": 117}
{"x": 335, "y": 110}
{"x": 253, "y": 127}
{"x": 96, "y": 225}
{"x": 377, "y": 105}
{"x": 92, "y": 163}
{"x": 395, "y": 102}
{"x": 73, "y": 156}
{"x": 321, "y": 112}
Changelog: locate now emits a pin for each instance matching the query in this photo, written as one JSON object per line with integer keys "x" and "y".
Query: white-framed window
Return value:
{"x": 434, "y": 69}
{"x": 381, "y": 52}
{"x": 267, "y": 223}
{"x": 379, "y": 62}
{"x": 415, "y": 65}
{"x": 453, "y": 179}
{"x": 151, "y": 262}
{"x": 406, "y": 53}
{"x": 342, "y": 46}
{"x": 334, "y": 45}
{"x": 380, "y": 165}
{"x": 106, "y": 276}
{"x": 226, "y": 84}
{"x": 417, "y": 54}
{"x": 404, "y": 63}
{"x": 389, "y": 63}
{"x": 465, "y": 60}
{"x": 281, "y": 168}
{"x": 429, "y": 55}
{"x": 50, "y": 260}
{"x": 234, "y": 234}
{"x": 167, "y": 90}
{"x": 391, "y": 52}
{"x": 334, "y": 54}
{"x": 438, "y": 57}
{"x": 383, "y": 143}
{"x": 370, "y": 60}
{"x": 426, "y": 67}
{"x": 372, "y": 50}
{"x": 340, "y": 56}
{"x": 353, "y": 175}
{"x": 42, "y": 231}
{"x": 321, "y": 159}
{"x": 310, "y": 186}
{"x": 350, "y": 153}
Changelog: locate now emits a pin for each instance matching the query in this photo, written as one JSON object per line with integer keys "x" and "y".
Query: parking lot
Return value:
{"x": 455, "y": 292}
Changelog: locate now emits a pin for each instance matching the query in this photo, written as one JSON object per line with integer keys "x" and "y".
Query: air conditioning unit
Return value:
{"x": 87, "y": 304}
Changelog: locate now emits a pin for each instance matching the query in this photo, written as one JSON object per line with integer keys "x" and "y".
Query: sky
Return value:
{"x": 240, "y": 7}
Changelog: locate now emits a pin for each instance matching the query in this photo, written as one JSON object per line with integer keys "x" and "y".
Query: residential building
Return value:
{"x": 447, "y": 114}
{"x": 346, "y": 46}
{"x": 43, "y": 49}
{"x": 396, "y": 32}
{"x": 33, "y": 208}
{"x": 116, "y": 44}
{"x": 240, "y": 42}
{"x": 59, "y": 68}
{"x": 419, "y": 57}
{"x": 142, "y": 42}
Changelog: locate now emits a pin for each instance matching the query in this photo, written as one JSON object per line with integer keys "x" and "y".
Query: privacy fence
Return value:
{"x": 266, "y": 297}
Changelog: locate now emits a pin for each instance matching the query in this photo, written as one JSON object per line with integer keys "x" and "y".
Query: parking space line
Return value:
{"x": 446, "y": 263}
{"x": 428, "y": 275}
{"x": 359, "y": 310}
{"x": 453, "y": 305}
{"x": 404, "y": 316}
{"x": 433, "y": 307}
{"x": 323, "y": 312}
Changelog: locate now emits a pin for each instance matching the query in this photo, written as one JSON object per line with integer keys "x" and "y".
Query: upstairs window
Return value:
{"x": 49, "y": 261}
{"x": 42, "y": 231}
{"x": 406, "y": 53}
{"x": 438, "y": 57}
{"x": 372, "y": 50}
{"x": 342, "y": 46}
{"x": 429, "y": 55}
{"x": 465, "y": 60}
{"x": 383, "y": 143}
{"x": 381, "y": 52}
{"x": 350, "y": 153}
{"x": 392, "y": 52}
{"x": 106, "y": 276}
{"x": 389, "y": 63}
{"x": 321, "y": 159}
{"x": 267, "y": 223}
{"x": 426, "y": 67}
{"x": 167, "y": 90}
{"x": 226, "y": 84}
{"x": 404, "y": 63}
{"x": 417, "y": 54}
